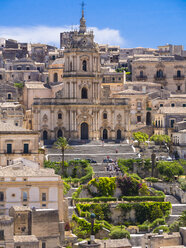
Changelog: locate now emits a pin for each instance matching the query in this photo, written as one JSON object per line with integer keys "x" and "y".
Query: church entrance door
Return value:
{"x": 105, "y": 134}
{"x": 118, "y": 134}
{"x": 84, "y": 131}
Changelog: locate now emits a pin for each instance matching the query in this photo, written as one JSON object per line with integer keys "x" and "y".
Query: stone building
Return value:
{"x": 85, "y": 108}
{"x": 56, "y": 71}
{"x": 6, "y": 232}
{"x": 169, "y": 71}
{"x": 16, "y": 141}
{"x": 154, "y": 240}
{"x": 12, "y": 112}
{"x": 166, "y": 118}
{"x": 43, "y": 225}
{"x": 25, "y": 184}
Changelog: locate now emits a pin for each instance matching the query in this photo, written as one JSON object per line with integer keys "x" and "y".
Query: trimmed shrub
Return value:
{"x": 151, "y": 179}
{"x": 144, "y": 198}
{"x": 105, "y": 186}
{"x": 128, "y": 185}
{"x": 164, "y": 228}
{"x": 119, "y": 233}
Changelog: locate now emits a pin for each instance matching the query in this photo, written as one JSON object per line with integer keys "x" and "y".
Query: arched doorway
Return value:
{"x": 59, "y": 133}
{"x": 84, "y": 131}
{"x": 118, "y": 134}
{"x": 45, "y": 135}
{"x": 148, "y": 119}
{"x": 105, "y": 134}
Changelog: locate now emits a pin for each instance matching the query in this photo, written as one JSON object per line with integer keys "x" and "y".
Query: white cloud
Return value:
{"x": 51, "y": 35}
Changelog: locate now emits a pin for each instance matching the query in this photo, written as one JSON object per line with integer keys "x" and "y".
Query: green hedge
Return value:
{"x": 152, "y": 179}
{"x": 143, "y": 198}
{"x": 83, "y": 228}
{"x": 125, "y": 198}
{"x": 146, "y": 210}
{"x": 96, "y": 199}
{"x": 143, "y": 210}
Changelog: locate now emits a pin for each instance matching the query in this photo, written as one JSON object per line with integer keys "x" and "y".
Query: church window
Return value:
{"x": 84, "y": 93}
{"x": 59, "y": 116}
{"x": 178, "y": 73}
{"x": 70, "y": 66}
{"x": 178, "y": 87}
{"x": 104, "y": 116}
{"x": 1, "y": 77}
{"x": 159, "y": 74}
{"x": 27, "y": 68}
{"x": 84, "y": 67}
{"x": 2, "y": 235}
{"x": 55, "y": 77}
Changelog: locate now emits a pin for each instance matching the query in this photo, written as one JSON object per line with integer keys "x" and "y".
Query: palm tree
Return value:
{"x": 62, "y": 144}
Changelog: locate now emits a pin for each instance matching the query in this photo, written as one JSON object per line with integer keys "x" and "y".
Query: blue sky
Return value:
{"x": 131, "y": 23}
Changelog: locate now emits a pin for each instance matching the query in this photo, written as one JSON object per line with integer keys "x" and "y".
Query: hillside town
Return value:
{"x": 92, "y": 144}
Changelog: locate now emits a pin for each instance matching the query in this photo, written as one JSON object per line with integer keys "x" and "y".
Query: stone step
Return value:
{"x": 70, "y": 192}
{"x": 172, "y": 199}
{"x": 172, "y": 218}
{"x": 107, "y": 174}
{"x": 71, "y": 210}
{"x": 177, "y": 209}
{"x": 69, "y": 201}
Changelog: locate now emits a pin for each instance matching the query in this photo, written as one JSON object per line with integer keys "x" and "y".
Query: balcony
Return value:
{"x": 141, "y": 78}
{"x": 160, "y": 78}
{"x": 181, "y": 77}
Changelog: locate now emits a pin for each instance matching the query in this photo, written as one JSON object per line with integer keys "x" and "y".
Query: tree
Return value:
{"x": 170, "y": 169}
{"x": 160, "y": 139}
{"x": 62, "y": 144}
{"x": 140, "y": 137}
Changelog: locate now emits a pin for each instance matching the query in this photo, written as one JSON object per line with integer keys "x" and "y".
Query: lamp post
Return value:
{"x": 92, "y": 216}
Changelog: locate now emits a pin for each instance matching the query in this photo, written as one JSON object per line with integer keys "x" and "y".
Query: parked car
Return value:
{"x": 91, "y": 161}
{"x": 169, "y": 159}
{"x": 108, "y": 160}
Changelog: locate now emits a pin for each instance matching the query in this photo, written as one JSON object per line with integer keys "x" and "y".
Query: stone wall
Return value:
{"x": 172, "y": 189}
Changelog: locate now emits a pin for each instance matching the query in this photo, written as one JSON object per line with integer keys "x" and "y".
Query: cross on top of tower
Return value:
{"x": 83, "y": 8}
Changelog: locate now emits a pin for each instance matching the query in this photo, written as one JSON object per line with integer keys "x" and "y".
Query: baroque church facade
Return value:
{"x": 82, "y": 109}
